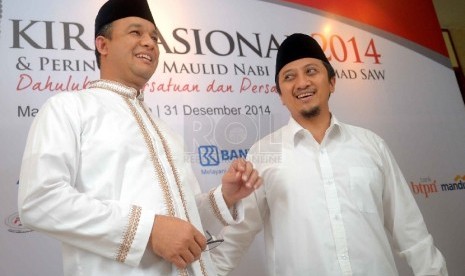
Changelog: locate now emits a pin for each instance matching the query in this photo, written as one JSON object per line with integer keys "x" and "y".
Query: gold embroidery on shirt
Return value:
{"x": 155, "y": 160}
{"x": 216, "y": 209}
{"x": 128, "y": 93}
{"x": 128, "y": 237}
{"x": 234, "y": 213}
{"x": 169, "y": 156}
{"x": 114, "y": 86}
{"x": 202, "y": 266}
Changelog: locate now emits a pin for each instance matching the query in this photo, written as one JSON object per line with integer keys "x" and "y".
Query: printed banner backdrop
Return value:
{"x": 215, "y": 86}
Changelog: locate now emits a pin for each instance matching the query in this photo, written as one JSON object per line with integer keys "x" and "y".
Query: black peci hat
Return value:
{"x": 116, "y": 9}
{"x": 295, "y": 47}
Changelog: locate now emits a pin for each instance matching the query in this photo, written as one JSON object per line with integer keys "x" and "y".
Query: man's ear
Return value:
{"x": 332, "y": 85}
{"x": 101, "y": 45}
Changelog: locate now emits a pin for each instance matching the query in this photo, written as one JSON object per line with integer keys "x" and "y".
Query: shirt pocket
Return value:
{"x": 366, "y": 188}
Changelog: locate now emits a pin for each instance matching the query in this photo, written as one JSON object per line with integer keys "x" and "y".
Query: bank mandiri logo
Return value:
{"x": 13, "y": 222}
{"x": 458, "y": 184}
{"x": 210, "y": 155}
{"x": 427, "y": 187}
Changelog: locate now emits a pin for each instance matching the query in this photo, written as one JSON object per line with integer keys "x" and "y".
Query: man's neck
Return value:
{"x": 317, "y": 125}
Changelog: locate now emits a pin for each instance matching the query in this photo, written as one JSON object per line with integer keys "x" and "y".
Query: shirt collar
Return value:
{"x": 118, "y": 88}
{"x": 295, "y": 131}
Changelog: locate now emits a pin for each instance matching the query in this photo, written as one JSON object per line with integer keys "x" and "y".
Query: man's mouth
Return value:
{"x": 145, "y": 57}
{"x": 305, "y": 95}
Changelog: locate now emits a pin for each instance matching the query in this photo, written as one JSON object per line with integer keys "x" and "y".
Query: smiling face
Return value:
{"x": 130, "y": 55}
{"x": 305, "y": 89}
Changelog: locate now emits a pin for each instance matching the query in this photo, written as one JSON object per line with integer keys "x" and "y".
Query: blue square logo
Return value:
{"x": 209, "y": 156}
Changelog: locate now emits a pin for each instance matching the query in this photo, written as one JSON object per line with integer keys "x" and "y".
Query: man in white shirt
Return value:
{"x": 332, "y": 193}
{"x": 103, "y": 176}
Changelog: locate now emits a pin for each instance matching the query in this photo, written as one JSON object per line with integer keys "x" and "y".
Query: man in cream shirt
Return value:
{"x": 109, "y": 181}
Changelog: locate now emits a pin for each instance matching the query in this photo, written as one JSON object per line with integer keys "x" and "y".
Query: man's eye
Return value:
{"x": 287, "y": 77}
{"x": 311, "y": 71}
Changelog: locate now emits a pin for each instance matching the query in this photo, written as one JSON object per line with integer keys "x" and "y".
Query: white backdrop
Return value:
{"x": 220, "y": 54}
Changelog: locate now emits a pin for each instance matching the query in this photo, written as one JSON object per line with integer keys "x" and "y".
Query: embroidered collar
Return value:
{"x": 117, "y": 87}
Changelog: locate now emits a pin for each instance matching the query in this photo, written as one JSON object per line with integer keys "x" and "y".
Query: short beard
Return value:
{"x": 315, "y": 111}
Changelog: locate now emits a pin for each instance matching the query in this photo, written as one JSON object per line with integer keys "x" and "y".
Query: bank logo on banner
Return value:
{"x": 457, "y": 184}
{"x": 427, "y": 187}
{"x": 208, "y": 156}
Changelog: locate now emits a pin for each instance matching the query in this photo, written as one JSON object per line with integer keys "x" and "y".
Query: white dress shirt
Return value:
{"x": 328, "y": 209}
{"x": 91, "y": 178}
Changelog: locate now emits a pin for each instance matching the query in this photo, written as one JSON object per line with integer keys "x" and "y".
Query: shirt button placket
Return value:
{"x": 334, "y": 210}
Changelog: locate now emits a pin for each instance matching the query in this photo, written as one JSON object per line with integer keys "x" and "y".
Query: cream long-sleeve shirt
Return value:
{"x": 94, "y": 175}
{"x": 327, "y": 209}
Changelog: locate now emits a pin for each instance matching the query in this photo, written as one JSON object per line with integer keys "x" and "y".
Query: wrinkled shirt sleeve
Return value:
{"x": 404, "y": 221}
{"x": 49, "y": 201}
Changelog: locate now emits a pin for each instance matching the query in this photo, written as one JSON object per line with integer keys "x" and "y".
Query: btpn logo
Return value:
{"x": 425, "y": 187}
{"x": 211, "y": 156}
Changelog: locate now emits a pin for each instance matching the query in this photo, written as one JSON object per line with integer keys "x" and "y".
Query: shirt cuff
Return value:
{"x": 138, "y": 233}
{"x": 425, "y": 259}
{"x": 225, "y": 215}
